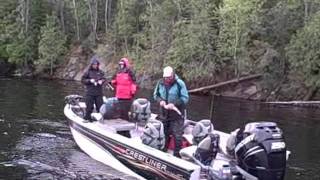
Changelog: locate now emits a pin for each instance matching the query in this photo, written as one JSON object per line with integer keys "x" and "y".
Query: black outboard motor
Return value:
{"x": 262, "y": 151}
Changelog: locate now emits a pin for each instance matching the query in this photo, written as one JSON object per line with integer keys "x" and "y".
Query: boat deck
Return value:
{"x": 118, "y": 124}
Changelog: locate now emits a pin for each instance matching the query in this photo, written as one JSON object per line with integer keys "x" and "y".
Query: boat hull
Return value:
{"x": 125, "y": 157}
{"x": 100, "y": 140}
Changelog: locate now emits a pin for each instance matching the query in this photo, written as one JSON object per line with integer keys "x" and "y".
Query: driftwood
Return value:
{"x": 296, "y": 103}
{"x": 237, "y": 80}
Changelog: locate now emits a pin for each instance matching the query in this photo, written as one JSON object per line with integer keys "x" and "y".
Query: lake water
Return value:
{"x": 36, "y": 142}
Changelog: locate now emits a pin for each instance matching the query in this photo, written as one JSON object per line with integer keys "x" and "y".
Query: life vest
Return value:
{"x": 125, "y": 87}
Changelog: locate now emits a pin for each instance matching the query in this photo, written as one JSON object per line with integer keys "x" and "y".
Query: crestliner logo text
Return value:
{"x": 147, "y": 160}
{"x": 156, "y": 164}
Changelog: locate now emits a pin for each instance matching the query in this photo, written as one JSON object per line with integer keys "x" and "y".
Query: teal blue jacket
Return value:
{"x": 176, "y": 94}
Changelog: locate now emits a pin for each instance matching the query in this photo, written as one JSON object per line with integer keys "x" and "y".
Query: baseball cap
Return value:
{"x": 167, "y": 71}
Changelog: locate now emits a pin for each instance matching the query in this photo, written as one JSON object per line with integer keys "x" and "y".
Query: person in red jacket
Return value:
{"x": 124, "y": 82}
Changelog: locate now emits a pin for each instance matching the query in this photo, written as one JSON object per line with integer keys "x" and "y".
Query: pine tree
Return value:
{"x": 303, "y": 52}
{"x": 52, "y": 45}
{"x": 237, "y": 19}
{"x": 194, "y": 47}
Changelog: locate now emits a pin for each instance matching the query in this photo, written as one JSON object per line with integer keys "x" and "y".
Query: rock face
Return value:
{"x": 78, "y": 61}
{"x": 75, "y": 64}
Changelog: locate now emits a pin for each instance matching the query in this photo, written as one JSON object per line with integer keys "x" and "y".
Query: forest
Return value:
{"x": 207, "y": 41}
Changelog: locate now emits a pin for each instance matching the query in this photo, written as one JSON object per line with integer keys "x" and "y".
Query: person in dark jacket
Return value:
{"x": 93, "y": 78}
{"x": 124, "y": 82}
{"x": 172, "y": 95}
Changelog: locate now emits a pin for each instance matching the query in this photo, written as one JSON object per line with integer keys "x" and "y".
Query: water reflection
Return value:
{"x": 301, "y": 128}
{"x": 36, "y": 142}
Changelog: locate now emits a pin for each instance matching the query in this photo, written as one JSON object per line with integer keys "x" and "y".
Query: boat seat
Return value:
{"x": 118, "y": 124}
{"x": 188, "y": 152}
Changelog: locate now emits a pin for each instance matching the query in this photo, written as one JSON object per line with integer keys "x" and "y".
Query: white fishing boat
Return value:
{"x": 134, "y": 148}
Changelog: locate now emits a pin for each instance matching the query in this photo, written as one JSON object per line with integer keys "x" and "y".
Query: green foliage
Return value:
{"x": 52, "y": 45}
{"x": 127, "y": 20}
{"x": 16, "y": 46}
{"x": 6, "y": 8}
{"x": 193, "y": 50}
{"x": 18, "y": 50}
{"x": 201, "y": 39}
{"x": 303, "y": 52}
{"x": 180, "y": 33}
{"x": 153, "y": 40}
{"x": 238, "y": 18}
{"x": 20, "y": 29}
{"x": 84, "y": 18}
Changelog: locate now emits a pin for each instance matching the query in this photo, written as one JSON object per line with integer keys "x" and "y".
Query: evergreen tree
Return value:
{"x": 52, "y": 45}
{"x": 126, "y": 22}
{"x": 303, "y": 52}
{"x": 194, "y": 46}
{"x": 237, "y": 19}
{"x": 22, "y": 33}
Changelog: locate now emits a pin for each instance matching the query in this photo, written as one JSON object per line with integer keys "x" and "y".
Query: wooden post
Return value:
{"x": 211, "y": 106}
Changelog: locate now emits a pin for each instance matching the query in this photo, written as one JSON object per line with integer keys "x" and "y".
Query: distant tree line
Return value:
{"x": 201, "y": 38}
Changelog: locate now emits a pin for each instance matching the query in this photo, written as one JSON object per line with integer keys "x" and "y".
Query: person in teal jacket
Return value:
{"x": 172, "y": 95}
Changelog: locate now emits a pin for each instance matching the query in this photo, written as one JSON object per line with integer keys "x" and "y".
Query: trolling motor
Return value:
{"x": 261, "y": 151}
{"x": 74, "y": 101}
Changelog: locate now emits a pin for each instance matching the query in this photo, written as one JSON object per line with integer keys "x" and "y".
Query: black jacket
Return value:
{"x": 92, "y": 89}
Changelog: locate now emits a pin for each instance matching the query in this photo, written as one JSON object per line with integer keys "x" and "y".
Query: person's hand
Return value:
{"x": 170, "y": 106}
{"x": 162, "y": 103}
{"x": 100, "y": 82}
{"x": 92, "y": 81}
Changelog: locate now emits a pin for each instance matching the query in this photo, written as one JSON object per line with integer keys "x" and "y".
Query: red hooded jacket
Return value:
{"x": 124, "y": 82}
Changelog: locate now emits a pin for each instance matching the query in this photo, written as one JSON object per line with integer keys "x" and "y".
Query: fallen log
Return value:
{"x": 296, "y": 103}
{"x": 237, "y": 80}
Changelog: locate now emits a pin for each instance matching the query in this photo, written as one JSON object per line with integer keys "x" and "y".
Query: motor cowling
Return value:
{"x": 140, "y": 110}
{"x": 262, "y": 151}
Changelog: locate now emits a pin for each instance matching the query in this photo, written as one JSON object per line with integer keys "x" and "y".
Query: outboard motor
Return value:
{"x": 140, "y": 110}
{"x": 153, "y": 134}
{"x": 262, "y": 151}
{"x": 201, "y": 130}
